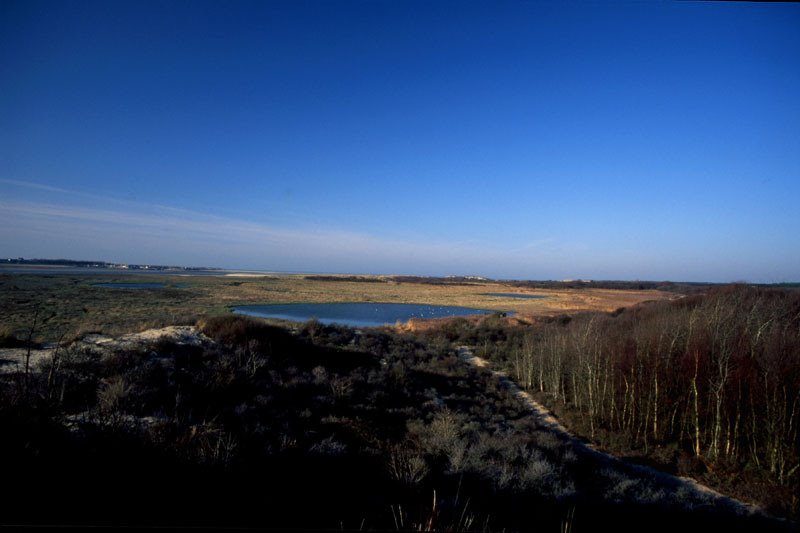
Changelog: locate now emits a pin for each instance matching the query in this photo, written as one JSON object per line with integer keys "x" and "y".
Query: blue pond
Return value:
{"x": 355, "y": 314}
{"x": 512, "y": 295}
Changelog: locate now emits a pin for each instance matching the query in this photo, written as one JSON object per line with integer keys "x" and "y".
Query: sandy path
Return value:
{"x": 546, "y": 419}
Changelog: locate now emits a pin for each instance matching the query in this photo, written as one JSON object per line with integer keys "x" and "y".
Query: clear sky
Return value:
{"x": 538, "y": 140}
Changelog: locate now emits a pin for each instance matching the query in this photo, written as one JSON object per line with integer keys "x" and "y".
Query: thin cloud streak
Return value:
{"x": 133, "y": 231}
{"x": 156, "y": 235}
{"x": 37, "y": 186}
{"x": 228, "y": 242}
{"x": 68, "y": 226}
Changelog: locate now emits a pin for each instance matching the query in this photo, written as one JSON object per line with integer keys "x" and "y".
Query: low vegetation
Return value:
{"x": 321, "y": 427}
{"x": 708, "y": 385}
{"x": 247, "y": 424}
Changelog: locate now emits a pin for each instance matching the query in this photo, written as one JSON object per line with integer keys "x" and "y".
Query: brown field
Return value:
{"x": 71, "y": 305}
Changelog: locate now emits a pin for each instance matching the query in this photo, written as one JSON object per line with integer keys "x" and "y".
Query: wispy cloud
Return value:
{"x": 131, "y": 232}
{"x": 85, "y": 225}
{"x": 31, "y": 185}
{"x": 222, "y": 240}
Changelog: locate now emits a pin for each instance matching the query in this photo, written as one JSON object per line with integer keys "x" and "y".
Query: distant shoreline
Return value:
{"x": 31, "y": 268}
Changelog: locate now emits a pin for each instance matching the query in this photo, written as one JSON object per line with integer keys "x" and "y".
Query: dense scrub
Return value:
{"x": 707, "y": 385}
{"x": 263, "y": 427}
{"x": 324, "y": 427}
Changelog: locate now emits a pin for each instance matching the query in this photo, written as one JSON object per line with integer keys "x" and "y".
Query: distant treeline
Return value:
{"x": 429, "y": 280}
{"x": 670, "y": 286}
{"x": 357, "y": 279}
{"x": 677, "y": 287}
{"x": 54, "y": 262}
{"x": 450, "y": 280}
{"x": 682, "y": 287}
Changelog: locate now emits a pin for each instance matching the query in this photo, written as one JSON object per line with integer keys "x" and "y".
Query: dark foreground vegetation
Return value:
{"x": 707, "y": 385}
{"x": 326, "y": 427}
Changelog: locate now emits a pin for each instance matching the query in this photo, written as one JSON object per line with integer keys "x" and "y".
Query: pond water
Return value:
{"x": 364, "y": 314}
{"x": 137, "y": 285}
{"x": 512, "y": 295}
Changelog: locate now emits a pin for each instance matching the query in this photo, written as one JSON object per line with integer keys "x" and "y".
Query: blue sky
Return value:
{"x": 538, "y": 140}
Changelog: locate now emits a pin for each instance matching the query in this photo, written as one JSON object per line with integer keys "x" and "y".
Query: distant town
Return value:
{"x": 96, "y": 264}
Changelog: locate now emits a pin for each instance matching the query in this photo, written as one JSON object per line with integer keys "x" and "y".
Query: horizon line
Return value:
{"x": 31, "y": 262}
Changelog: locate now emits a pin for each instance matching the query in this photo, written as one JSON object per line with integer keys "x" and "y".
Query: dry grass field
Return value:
{"x": 71, "y": 305}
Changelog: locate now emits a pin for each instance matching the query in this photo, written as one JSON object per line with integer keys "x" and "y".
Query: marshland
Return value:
{"x": 674, "y": 410}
